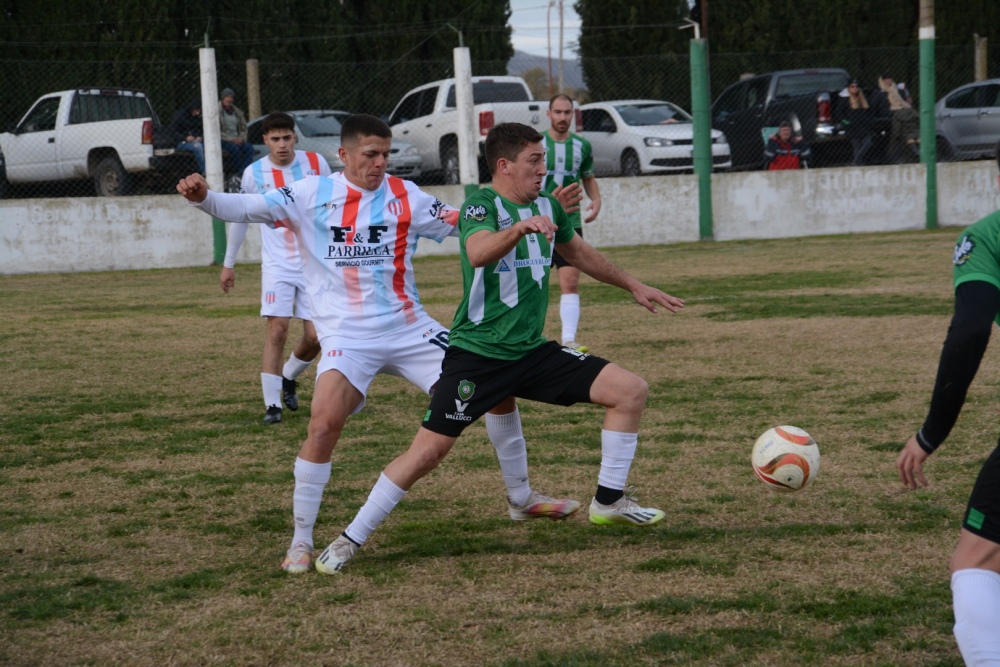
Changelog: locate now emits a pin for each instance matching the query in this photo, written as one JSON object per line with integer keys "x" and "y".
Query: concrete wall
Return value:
{"x": 66, "y": 235}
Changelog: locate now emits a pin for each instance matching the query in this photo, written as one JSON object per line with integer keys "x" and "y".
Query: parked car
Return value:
{"x": 319, "y": 131}
{"x": 633, "y": 137}
{"x": 968, "y": 121}
{"x": 426, "y": 116}
{"x": 752, "y": 109}
{"x": 105, "y": 135}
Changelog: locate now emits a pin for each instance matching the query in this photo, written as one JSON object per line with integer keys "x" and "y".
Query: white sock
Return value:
{"x": 975, "y": 597}
{"x": 383, "y": 498}
{"x": 617, "y": 452}
{"x": 569, "y": 314}
{"x": 507, "y": 438}
{"x": 271, "y": 384}
{"x": 294, "y": 367}
{"x": 310, "y": 480}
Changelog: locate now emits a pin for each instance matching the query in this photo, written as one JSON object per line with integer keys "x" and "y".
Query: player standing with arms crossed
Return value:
{"x": 975, "y": 563}
{"x": 358, "y": 231}
{"x": 568, "y": 160}
{"x": 282, "y": 283}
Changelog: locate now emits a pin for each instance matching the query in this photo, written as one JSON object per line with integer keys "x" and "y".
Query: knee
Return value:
{"x": 325, "y": 429}
{"x": 427, "y": 457}
{"x": 277, "y": 330}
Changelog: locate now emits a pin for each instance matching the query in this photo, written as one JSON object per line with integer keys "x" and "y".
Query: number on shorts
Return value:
{"x": 440, "y": 339}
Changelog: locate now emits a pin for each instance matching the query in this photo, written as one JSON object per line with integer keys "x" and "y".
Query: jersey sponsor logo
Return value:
{"x": 465, "y": 391}
{"x": 477, "y": 213}
{"x": 535, "y": 261}
{"x": 330, "y": 205}
{"x": 963, "y": 250}
{"x": 437, "y": 208}
{"x": 286, "y": 192}
{"x": 504, "y": 221}
{"x": 395, "y": 207}
{"x": 502, "y": 267}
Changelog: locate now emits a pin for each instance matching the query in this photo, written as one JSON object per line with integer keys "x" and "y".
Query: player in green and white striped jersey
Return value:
{"x": 568, "y": 160}
{"x": 497, "y": 349}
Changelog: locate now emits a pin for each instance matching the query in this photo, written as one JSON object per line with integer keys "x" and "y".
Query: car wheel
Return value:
{"x": 110, "y": 178}
{"x": 449, "y": 162}
{"x": 630, "y": 163}
{"x": 945, "y": 153}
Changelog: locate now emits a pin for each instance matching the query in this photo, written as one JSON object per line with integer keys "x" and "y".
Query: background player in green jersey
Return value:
{"x": 497, "y": 349}
{"x": 975, "y": 563}
{"x": 569, "y": 159}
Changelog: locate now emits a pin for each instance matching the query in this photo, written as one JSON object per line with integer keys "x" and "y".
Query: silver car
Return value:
{"x": 319, "y": 131}
{"x": 968, "y": 121}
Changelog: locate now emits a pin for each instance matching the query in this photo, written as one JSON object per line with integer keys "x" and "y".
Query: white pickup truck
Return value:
{"x": 426, "y": 117}
{"x": 102, "y": 134}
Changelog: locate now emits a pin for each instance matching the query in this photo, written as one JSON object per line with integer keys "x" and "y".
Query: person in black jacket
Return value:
{"x": 857, "y": 121}
{"x": 186, "y": 126}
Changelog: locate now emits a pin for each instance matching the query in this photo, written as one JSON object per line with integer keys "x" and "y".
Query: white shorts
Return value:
{"x": 281, "y": 296}
{"x": 414, "y": 352}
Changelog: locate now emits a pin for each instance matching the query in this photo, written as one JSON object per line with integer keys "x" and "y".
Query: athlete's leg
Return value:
{"x": 503, "y": 426}
{"x": 624, "y": 395}
{"x": 426, "y": 451}
{"x": 334, "y": 400}
{"x": 569, "y": 302}
{"x": 975, "y": 589}
{"x": 274, "y": 349}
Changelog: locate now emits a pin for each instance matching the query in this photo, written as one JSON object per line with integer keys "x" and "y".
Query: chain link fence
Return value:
{"x": 133, "y": 156}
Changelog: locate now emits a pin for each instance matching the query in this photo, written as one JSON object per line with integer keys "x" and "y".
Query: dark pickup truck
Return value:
{"x": 749, "y": 111}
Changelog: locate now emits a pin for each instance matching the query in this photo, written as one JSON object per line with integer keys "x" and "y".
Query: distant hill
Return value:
{"x": 522, "y": 62}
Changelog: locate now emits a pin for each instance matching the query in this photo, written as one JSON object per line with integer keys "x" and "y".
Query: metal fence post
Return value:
{"x": 701, "y": 111}
{"x": 928, "y": 138}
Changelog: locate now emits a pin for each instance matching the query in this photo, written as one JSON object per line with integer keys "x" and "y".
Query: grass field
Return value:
{"x": 144, "y": 507}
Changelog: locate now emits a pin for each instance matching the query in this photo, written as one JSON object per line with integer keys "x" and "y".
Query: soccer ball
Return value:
{"x": 785, "y": 458}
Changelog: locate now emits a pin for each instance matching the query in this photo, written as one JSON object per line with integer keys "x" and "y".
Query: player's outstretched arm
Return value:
{"x": 585, "y": 257}
{"x": 910, "y": 464}
{"x": 485, "y": 247}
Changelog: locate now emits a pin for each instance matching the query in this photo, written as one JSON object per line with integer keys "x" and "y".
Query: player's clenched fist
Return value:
{"x": 193, "y": 187}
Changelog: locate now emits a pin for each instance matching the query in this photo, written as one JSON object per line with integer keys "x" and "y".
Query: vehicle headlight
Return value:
{"x": 658, "y": 142}
{"x": 412, "y": 150}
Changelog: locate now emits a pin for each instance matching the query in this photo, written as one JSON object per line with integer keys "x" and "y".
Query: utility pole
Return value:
{"x": 548, "y": 33}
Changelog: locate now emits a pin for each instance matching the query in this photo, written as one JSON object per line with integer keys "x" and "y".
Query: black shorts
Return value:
{"x": 982, "y": 516}
{"x": 557, "y": 259}
{"x": 471, "y": 384}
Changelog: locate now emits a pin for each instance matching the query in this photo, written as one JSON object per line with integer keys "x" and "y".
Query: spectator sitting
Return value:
{"x": 233, "y": 127}
{"x": 783, "y": 151}
{"x": 187, "y": 131}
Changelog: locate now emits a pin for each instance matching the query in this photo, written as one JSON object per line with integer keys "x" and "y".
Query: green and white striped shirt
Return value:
{"x": 503, "y": 307}
{"x": 567, "y": 162}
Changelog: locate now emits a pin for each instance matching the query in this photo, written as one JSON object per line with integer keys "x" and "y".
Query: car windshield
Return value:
{"x": 807, "y": 83}
{"x": 653, "y": 113}
{"x": 320, "y": 125}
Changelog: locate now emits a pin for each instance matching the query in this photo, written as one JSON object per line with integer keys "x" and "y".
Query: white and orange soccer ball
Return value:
{"x": 785, "y": 459}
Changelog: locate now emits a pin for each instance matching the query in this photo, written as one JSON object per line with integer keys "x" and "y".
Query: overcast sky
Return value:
{"x": 528, "y": 19}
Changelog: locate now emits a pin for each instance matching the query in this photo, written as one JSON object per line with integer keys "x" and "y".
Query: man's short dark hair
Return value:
{"x": 359, "y": 125}
{"x": 277, "y": 120}
{"x": 560, "y": 96}
{"x": 506, "y": 140}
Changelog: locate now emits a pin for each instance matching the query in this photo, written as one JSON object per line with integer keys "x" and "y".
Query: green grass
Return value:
{"x": 145, "y": 508}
